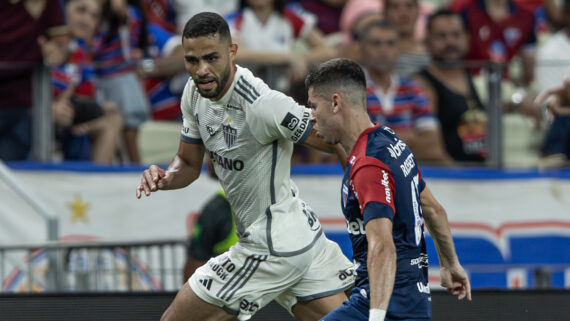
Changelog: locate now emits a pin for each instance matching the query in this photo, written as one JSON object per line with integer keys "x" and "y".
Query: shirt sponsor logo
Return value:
{"x": 210, "y": 130}
{"x": 227, "y": 163}
{"x": 230, "y": 135}
{"x": 347, "y": 273}
{"x": 388, "y": 129}
{"x": 386, "y": 183}
{"x": 421, "y": 261}
{"x": 423, "y": 288}
{"x": 355, "y": 227}
{"x": 248, "y": 307}
{"x": 302, "y": 127}
{"x": 408, "y": 165}
{"x": 397, "y": 150}
{"x": 290, "y": 121}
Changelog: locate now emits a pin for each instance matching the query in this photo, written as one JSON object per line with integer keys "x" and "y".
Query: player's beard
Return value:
{"x": 220, "y": 84}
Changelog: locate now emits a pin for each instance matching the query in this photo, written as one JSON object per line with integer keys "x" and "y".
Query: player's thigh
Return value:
{"x": 317, "y": 308}
{"x": 187, "y": 306}
{"x": 321, "y": 289}
{"x": 242, "y": 282}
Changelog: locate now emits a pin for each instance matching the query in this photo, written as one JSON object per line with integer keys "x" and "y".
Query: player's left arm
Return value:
{"x": 381, "y": 262}
{"x": 453, "y": 276}
{"x": 317, "y": 143}
{"x": 374, "y": 187}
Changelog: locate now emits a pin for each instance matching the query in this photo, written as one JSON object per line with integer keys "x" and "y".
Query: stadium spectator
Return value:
{"x": 404, "y": 14}
{"x": 116, "y": 51}
{"x": 385, "y": 217}
{"x": 327, "y": 12}
{"x": 86, "y": 129}
{"x": 249, "y": 131}
{"x": 499, "y": 30}
{"x": 449, "y": 86}
{"x": 163, "y": 73}
{"x": 162, "y": 13}
{"x": 553, "y": 66}
{"x": 186, "y": 9}
{"x": 266, "y": 30}
{"x": 394, "y": 101}
{"x": 31, "y": 31}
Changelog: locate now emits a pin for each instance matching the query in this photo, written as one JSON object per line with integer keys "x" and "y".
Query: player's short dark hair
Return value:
{"x": 207, "y": 24}
{"x": 444, "y": 13}
{"x": 376, "y": 23}
{"x": 338, "y": 74}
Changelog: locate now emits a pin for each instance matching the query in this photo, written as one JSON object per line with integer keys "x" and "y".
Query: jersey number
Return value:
{"x": 418, "y": 217}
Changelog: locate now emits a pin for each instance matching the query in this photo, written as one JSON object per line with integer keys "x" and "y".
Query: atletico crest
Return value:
{"x": 230, "y": 135}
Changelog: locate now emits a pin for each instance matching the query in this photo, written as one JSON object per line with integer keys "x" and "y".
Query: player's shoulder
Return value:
{"x": 252, "y": 92}
{"x": 248, "y": 88}
{"x": 384, "y": 145}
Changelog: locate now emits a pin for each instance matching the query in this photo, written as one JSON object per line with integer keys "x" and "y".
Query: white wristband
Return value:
{"x": 377, "y": 315}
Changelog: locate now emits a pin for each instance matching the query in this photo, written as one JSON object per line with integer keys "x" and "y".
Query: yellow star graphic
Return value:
{"x": 78, "y": 209}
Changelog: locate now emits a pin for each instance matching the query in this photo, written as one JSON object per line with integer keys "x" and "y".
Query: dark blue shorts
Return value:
{"x": 411, "y": 299}
{"x": 356, "y": 309}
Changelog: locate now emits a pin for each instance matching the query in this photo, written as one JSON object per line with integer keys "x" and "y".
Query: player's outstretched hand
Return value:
{"x": 153, "y": 178}
{"x": 455, "y": 280}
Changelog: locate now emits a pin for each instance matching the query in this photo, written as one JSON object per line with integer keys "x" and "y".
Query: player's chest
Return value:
{"x": 223, "y": 130}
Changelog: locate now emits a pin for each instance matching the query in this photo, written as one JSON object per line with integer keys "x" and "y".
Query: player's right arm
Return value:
{"x": 183, "y": 170}
{"x": 187, "y": 163}
{"x": 453, "y": 277}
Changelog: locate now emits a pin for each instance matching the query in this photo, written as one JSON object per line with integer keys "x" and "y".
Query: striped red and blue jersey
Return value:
{"x": 113, "y": 56}
{"x": 164, "y": 102}
{"x": 498, "y": 41}
{"x": 161, "y": 12}
{"x": 382, "y": 180}
{"x": 78, "y": 72}
{"x": 406, "y": 108}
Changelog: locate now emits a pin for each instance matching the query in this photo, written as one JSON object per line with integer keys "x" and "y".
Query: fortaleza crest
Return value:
{"x": 230, "y": 135}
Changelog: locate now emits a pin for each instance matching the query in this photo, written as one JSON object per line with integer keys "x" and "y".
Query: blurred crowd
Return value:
{"x": 118, "y": 64}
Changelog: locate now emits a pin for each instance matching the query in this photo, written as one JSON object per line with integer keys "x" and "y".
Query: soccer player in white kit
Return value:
{"x": 248, "y": 131}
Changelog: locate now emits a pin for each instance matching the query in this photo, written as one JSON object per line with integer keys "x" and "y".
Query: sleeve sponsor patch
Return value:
{"x": 290, "y": 121}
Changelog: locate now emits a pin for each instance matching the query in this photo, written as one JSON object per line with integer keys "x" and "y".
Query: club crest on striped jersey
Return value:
{"x": 230, "y": 135}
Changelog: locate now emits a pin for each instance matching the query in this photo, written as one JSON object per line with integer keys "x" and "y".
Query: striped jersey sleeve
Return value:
{"x": 190, "y": 131}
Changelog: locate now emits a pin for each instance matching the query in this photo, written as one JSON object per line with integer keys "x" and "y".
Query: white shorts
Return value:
{"x": 242, "y": 281}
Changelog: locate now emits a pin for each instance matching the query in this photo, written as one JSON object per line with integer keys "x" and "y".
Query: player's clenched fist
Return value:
{"x": 153, "y": 179}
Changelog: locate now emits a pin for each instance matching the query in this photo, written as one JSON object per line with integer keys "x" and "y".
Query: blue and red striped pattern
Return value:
{"x": 411, "y": 106}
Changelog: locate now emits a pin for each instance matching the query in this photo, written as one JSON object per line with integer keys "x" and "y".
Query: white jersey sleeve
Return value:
{"x": 190, "y": 131}
{"x": 276, "y": 116}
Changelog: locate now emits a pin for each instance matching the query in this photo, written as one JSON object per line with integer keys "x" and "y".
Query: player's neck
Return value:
{"x": 357, "y": 124}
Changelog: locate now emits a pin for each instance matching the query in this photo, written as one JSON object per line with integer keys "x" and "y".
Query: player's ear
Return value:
{"x": 336, "y": 102}
{"x": 233, "y": 50}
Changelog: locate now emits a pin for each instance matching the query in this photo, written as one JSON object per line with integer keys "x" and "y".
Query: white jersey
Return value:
{"x": 249, "y": 134}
